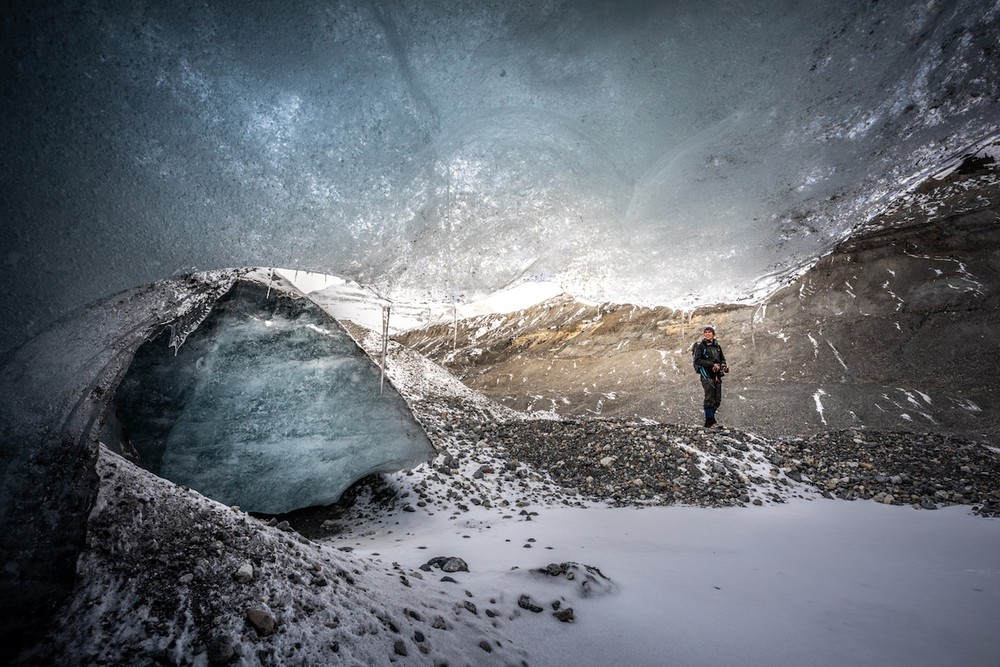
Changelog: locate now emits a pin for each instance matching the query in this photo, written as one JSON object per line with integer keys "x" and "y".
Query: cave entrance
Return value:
{"x": 268, "y": 404}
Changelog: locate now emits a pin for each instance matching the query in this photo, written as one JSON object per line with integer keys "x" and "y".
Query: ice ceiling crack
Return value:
{"x": 269, "y": 405}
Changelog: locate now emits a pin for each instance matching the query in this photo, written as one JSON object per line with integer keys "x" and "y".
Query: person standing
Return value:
{"x": 710, "y": 364}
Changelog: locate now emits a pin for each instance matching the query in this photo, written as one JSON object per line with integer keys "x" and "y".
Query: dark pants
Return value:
{"x": 713, "y": 393}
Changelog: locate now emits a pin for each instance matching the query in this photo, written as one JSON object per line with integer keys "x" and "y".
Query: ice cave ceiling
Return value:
{"x": 672, "y": 152}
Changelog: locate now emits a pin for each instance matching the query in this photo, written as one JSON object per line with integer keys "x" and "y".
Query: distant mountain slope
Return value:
{"x": 896, "y": 329}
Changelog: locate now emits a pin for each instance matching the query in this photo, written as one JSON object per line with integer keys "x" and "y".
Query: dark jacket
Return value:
{"x": 704, "y": 355}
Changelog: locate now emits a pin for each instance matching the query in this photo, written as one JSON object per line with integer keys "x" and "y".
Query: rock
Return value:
{"x": 454, "y": 564}
{"x": 565, "y": 615}
{"x": 399, "y": 648}
{"x": 261, "y": 620}
{"x": 220, "y": 650}
{"x": 553, "y": 569}
{"x": 625, "y": 463}
{"x": 525, "y": 602}
{"x": 244, "y": 573}
{"x": 449, "y": 564}
{"x": 486, "y": 646}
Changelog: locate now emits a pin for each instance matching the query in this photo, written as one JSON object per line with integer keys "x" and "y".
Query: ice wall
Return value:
{"x": 55, "y": 390}
{"x": 657, "y": 152}
{"x": 268, "y": 405}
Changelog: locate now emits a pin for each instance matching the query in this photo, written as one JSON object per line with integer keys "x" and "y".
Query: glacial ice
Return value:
{"x": 268, "y": 405}
{"x": 672, "y": 153}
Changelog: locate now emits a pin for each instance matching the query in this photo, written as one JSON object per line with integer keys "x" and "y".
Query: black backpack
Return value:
{"x": 696, "y": 350}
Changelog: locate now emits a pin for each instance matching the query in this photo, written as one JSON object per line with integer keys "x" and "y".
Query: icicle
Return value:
{"x": 183, "y": 326}
{"x": 270, "y": 279}
{"x": 385, "y": 344}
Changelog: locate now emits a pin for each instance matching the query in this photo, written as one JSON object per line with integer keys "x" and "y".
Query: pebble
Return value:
{"x": 525, "y": 602}
{"x": 244, "y": 573}
{"x": 565, "y": 615}
{"x": 220, "y": 650}
{"x": 261, "y": 620}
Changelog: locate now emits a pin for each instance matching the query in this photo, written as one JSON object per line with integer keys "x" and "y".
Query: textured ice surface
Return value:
{"x": 651, "y": 152}
{"x": 268, "y": 405}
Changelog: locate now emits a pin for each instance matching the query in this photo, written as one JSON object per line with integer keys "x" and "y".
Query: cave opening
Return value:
{"x": 264, "y": 401}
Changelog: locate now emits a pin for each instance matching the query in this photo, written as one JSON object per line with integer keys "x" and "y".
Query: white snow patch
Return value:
{"x": 347, "y": 300}
{"x": 308, "y": 282}
{"x": 967, "y": 404}
{"x": 837, "y": 355}
{"x": 815, "y": 344}
{"x": 819, "y": 404}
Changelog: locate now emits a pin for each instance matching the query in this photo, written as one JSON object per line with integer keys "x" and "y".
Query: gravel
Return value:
{"x": 622, "y": 463}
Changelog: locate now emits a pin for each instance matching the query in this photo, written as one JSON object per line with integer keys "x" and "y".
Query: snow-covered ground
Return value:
{"x": 806, "y": 583}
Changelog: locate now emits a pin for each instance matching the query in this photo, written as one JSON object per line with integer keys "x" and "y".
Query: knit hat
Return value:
{"x": 709, "y": 327}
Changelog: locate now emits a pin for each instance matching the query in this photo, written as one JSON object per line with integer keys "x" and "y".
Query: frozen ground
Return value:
{"x": 818, "y": 583}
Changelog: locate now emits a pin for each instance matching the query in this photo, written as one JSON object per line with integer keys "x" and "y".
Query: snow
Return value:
{"x": 347, "y": 300}
{"x": 812, "y": 581}
{"x": 308, "y": 281}
{"x": 809, "y": 582}
{"x": 819, "y": 393}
